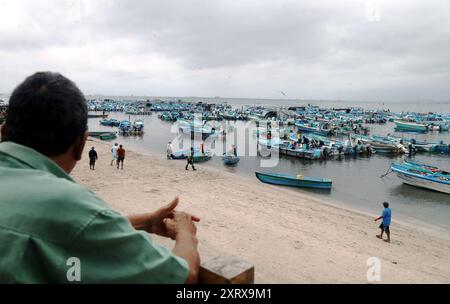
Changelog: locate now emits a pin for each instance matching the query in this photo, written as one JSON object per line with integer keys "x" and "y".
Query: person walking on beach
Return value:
{"x": 386, "y": 217}
{"x": 169, "y": 150}
{"x": 190, "y": 160}
{"x": 85, "y": 241}
{"x": 93, "y": 157}
{"x": 114, "y": 153}
{"x": 120, "y": 156}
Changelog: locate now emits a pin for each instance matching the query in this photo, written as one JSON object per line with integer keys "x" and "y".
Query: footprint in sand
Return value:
{"x": 298, "y": 245}
{"x": 154, "y": 191}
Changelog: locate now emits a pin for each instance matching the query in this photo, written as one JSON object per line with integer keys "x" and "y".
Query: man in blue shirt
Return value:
{"x": 386, "y": 217}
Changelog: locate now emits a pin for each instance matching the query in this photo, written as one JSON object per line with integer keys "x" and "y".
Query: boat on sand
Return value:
{"x": 298, "y": 181}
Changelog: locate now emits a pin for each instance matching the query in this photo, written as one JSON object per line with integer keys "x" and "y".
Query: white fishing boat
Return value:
{"x": 423, "y": 176}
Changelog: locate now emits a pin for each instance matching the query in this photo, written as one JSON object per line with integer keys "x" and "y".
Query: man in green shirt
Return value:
{"x": 53, "y": 230}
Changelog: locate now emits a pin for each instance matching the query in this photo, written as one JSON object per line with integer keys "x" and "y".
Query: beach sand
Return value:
{"x": 289, "y": 236}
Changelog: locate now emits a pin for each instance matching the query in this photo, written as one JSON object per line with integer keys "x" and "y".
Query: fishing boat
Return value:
{"x": 313, "y": 128}
{"x": 103, "y": 135}
{"x": 183, "y": 154}
{"x": 204, "y": 132}
{"x": 381, "y": 145}
{"x": 110, "y": 122}
{"x": 445, "y": 127}
{"x": 138, "y": 127}
{"x": 441, "y": 148}
{"x": 301, "y": 152}
{"x": 198, "y": 156}
{"x": 295, "y": 181}
{"x": 410, "y": 126}
{"x": 231, "y": 160}
{"x": 423, "y": 176}
{"x": 132, "y": 111}
{"x": 201, "y": 158}
{"x": 125, "y": 127}
{"x": 97, "y": 116}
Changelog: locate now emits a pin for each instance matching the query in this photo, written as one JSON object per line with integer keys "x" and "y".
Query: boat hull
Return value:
{"x": 419, "y": 178}
{"x": 301, "y": 153}
{"x": 422, "y": 183}
{"x": 412, "y": 127}
{"x": 284, "y": 180}
{"x": 231, "y": 161}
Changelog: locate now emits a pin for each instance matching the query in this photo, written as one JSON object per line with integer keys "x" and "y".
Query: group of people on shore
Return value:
{"x": 118, "y": 156}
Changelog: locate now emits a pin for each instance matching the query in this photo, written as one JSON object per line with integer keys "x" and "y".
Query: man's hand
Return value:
{"x": 181, "y": 224}
{"x": 154, "y": 222}
{"x": 181, "y": 228}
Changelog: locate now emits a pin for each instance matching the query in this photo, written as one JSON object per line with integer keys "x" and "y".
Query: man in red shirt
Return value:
{"x": 120, "y": 156}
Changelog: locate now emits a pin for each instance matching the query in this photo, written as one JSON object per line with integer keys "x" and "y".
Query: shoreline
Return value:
{"x": 435, "y": 230}
{"x": 431, "y": 229}
{"x": 304, "y": 239}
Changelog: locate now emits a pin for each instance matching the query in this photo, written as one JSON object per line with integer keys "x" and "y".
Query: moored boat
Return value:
{"x": 231, "y": 160}
{"x": 295, "y": 181}
{"x": 410, "y": 126}
{"x": 201, "y": 158}
{"x": 198, "y": 156}
{"x": 103, "y": 135}
{"x": 423, "y": 176}
{"x": 110, "y": 122}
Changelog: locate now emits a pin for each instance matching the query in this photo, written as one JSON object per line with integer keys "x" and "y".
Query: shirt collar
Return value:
{"x": 32, "y": 159}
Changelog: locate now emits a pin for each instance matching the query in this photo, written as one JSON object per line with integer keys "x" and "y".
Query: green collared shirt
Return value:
{"x": 53, "y": 230}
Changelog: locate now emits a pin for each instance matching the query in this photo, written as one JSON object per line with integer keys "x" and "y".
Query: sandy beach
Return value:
{"x": 289, "y": 236}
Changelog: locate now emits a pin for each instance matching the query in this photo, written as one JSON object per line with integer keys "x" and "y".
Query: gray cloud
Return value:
{"x": 312, "y": 49}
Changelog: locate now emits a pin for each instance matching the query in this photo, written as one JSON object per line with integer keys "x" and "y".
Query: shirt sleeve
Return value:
{"x": 112, "y": 251}
{"x": 384, "y": 214}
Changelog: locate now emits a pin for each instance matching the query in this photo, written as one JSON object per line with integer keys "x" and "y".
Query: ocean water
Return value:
{"x": 356, "y": 180}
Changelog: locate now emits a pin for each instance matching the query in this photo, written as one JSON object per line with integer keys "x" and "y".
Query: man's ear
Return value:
{"x": 2, "y": 131}
{"x": 79, "y": 147}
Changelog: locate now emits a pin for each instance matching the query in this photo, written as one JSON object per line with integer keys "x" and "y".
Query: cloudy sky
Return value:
{"x": 354, "y": 50}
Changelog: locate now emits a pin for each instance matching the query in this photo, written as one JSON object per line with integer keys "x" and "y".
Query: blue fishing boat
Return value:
{"x": 183, "y": 154}
{"x": 295, "y": 181}
{"x": 300, "y": 152}
{"x": 202, "y": 157}
{"x": 198, "y": 156}
{"x": 231, "y": 160}
{"x": 110, "y": 122}
{"x": 125, "y": 127}
{"x": 410, "y": 126}
{"x": 316, "y": 129}
{"x": 423, "y": 176}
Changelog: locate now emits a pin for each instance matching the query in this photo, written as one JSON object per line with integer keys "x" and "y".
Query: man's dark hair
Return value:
{"x": 386, "y": 205}
{"x": 47, "y": 112}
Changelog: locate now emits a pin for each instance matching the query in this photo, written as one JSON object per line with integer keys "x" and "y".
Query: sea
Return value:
{"x": 357, "y": 182}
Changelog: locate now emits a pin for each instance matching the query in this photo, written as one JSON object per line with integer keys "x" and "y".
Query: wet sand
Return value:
{"x": 289, "y": 236}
